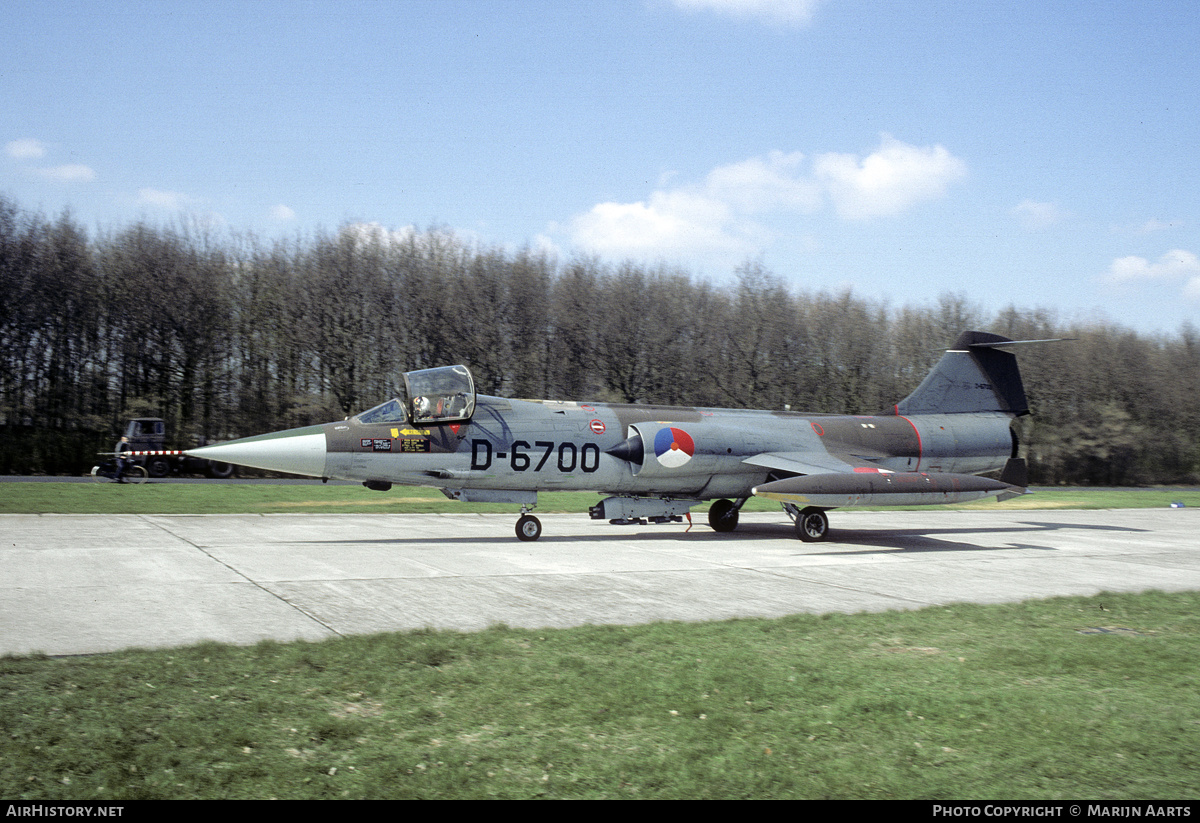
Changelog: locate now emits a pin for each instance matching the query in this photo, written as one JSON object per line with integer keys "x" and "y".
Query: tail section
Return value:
{"x": 972, "y": 376}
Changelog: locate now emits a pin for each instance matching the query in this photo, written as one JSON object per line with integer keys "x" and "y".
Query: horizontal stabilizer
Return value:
{"x": 1004, "y": 343}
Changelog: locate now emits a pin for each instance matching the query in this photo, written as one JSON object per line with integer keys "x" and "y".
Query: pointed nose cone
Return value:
{"x": 295, "y": 451}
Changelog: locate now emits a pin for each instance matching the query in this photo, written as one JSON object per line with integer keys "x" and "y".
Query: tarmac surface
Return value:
{"x": 83, "y": 584}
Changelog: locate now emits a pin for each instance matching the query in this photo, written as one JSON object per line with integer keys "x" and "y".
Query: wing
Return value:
{"x": 809, "y": 463}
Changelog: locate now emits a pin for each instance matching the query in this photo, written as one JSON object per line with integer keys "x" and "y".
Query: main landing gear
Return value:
{"x": 723, "y": 514}
{"x": 812, "y": 524}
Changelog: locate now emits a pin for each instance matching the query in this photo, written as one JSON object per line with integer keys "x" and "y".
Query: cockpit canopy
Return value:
{"x": 445, "y": 395}
{"x": 432, "y": 396}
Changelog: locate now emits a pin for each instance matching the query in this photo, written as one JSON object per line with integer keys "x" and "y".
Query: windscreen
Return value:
{"x": 390, "y": 412}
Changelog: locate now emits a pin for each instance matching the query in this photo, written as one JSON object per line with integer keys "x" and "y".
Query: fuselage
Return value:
{"x": 656, "y": 462}
{"x": 700, "y": 453}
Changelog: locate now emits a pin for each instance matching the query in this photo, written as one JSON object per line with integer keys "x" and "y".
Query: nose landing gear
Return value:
{"x": 528, "y": 527}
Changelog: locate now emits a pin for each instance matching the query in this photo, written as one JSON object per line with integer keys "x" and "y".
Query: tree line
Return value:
{"x": 227, "y": 336}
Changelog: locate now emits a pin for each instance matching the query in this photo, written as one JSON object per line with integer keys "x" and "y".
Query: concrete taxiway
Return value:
{"x": 81, "y": 584}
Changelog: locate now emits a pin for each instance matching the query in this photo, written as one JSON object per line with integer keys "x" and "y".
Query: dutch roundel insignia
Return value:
{"x": 673, "y": 447}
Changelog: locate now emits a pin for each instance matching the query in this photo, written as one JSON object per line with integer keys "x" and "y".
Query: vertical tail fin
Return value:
{"x": 972, "y": 376}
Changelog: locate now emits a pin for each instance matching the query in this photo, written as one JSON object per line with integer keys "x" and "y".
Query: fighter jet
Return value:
{"x": 654, "y": 463}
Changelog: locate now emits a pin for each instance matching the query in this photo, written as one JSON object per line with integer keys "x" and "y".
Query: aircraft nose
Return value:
{"x": 295, "y": 451}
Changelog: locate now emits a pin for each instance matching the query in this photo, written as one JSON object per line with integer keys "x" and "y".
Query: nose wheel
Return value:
{"x": 528, "y": 527}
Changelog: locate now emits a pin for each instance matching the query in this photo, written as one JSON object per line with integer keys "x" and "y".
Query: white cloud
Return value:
{"x": 282, "y": 214}
{"x": 1035, "y": 216}
{"x": 1174, "y": 266}
{"x": 889, "y": 180}
{"x": 727, "y": 214}
{"x": 1154, "y": 225}
{"x": 766, "y": 184}
{"x": 161, "y": 199}
{"x": 25, "y": 149}
{"x": 70, "y": 173}
{"x": 683, "y": 221}
{"x": 1191, "y": 289}
{"x": 375, "y": 232}
{"x": 786, "y": 12}
{"x": 28, "y": 148}
{"x": 1171, "y": 265}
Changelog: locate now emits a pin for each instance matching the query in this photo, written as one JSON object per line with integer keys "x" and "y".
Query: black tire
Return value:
{"x": 722, "y": 516}
{"x": 219, "y": 470}
{"x": 812, "y": 526}
{"x": 528, "y": 527}
{"x": 158, "y": 466}
{"x": 135, "y": 474}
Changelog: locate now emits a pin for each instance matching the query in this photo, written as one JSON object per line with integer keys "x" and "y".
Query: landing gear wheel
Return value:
{"x": 528, "y": 527}
{"x": 723, "y": 516}
{"x": 812, "y": 526}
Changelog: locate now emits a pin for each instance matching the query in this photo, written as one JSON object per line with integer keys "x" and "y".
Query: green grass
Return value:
{"x": 997, "y": 702}
{"x": 237, "y": 498}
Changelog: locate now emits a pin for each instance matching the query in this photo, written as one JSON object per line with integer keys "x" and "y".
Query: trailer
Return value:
{"x": 147, "y": 439}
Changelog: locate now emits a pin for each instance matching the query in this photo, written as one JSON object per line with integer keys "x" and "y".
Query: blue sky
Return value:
{"x": 1039, "y": 154}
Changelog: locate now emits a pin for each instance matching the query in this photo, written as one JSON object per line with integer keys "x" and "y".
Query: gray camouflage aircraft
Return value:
{"x": 656, "y": 462}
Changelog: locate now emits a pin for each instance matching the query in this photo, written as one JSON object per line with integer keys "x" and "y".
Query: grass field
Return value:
{"x": 1068, "y": 698}
{"x": 216, "y": 497}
